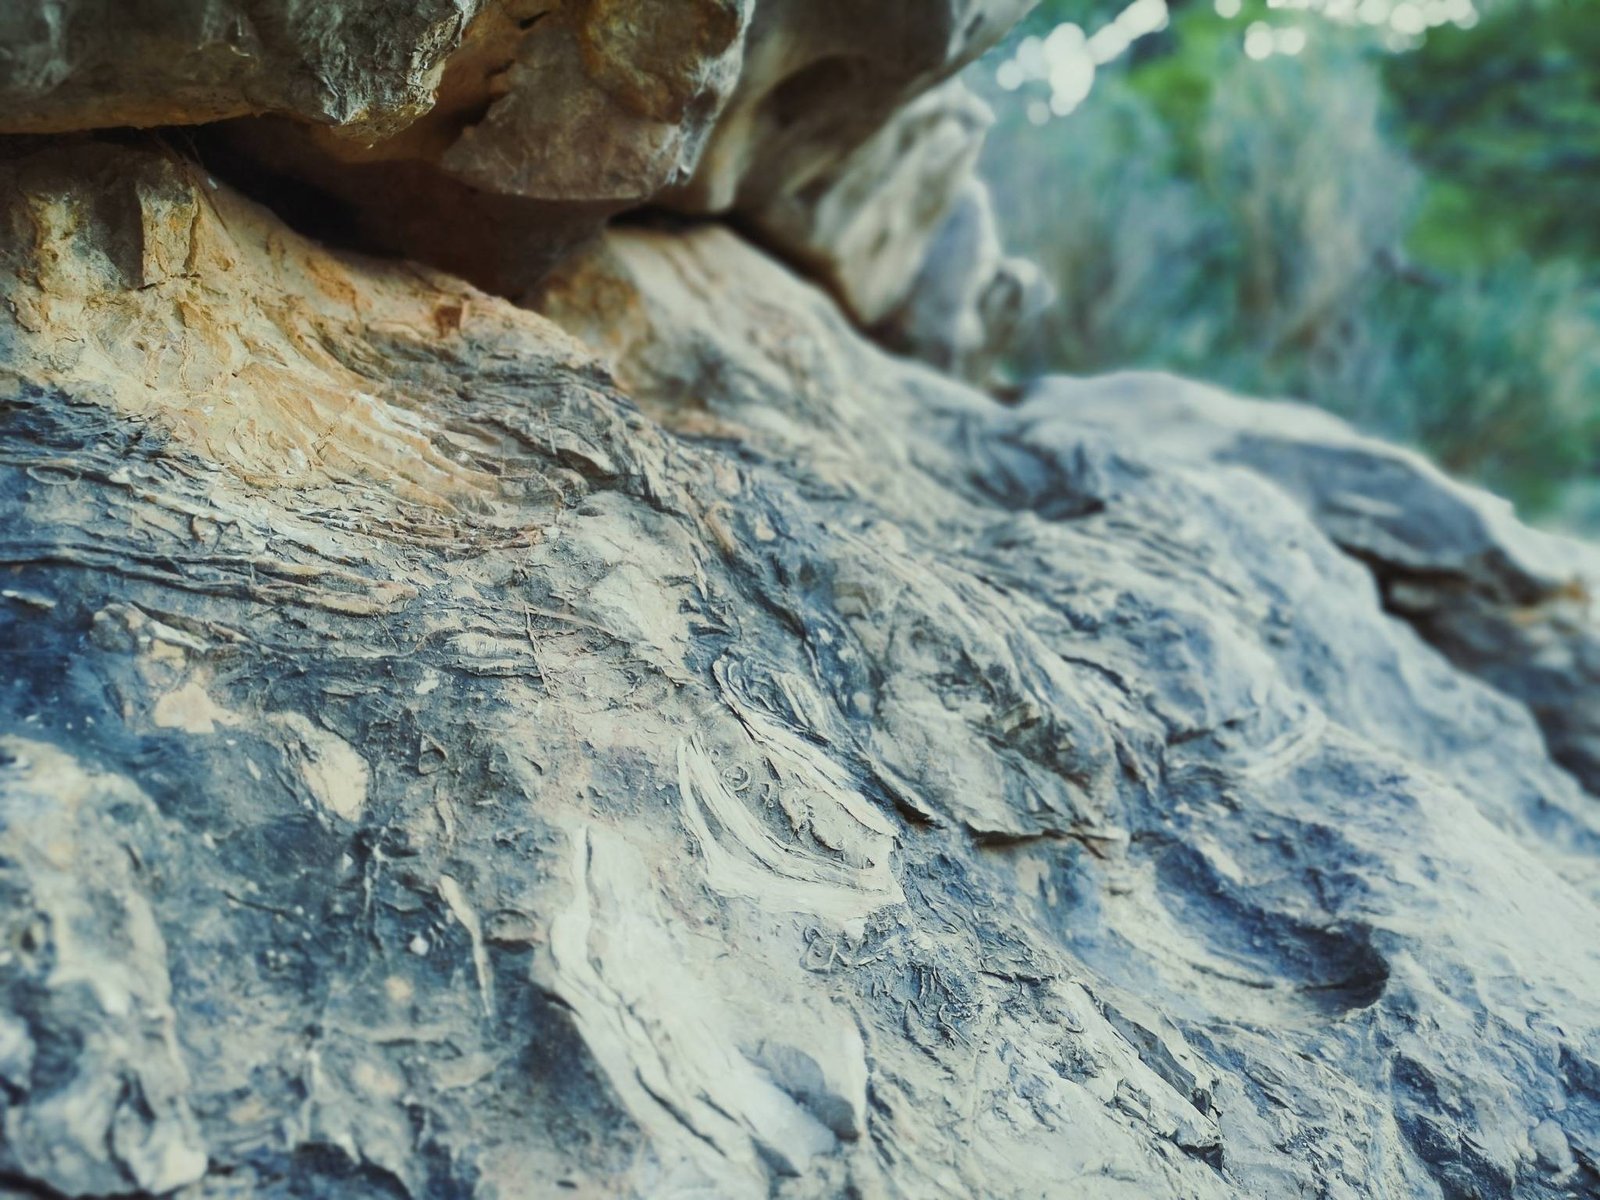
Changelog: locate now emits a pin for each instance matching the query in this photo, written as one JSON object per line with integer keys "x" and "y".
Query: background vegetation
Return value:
{"x": 1388, "y": 207}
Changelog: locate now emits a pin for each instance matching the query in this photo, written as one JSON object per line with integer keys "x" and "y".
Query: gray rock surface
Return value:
{"x": 712, "y": 758}
{"x": 865, "y": 227}
{"x": 1512, "y": 605}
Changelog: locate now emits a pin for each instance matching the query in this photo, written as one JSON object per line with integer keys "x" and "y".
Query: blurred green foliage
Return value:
{"x": 1409, "y": 236}
{"x": 1505, "y": 119}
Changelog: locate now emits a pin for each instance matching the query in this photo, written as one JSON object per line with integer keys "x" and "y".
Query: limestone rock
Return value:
{"x": 369, "y": 65}
{"x": 530, "y": 122}
{"x": 969, "y": 301}
{"x": 865, "y": 227}
{"x": 1512, "y": 605}
{"x": 713, "y": 757}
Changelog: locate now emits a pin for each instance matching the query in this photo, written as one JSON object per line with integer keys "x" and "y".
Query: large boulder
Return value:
{"x": 546, "y": 99}
{"x": 488, "y": 137}
{"x": 711, "y": 757}
{"x": 369, "y": 67}
{"x": 864, "y": 229}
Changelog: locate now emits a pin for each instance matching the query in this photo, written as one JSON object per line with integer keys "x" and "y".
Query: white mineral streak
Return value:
{"x": 660, "y": 1034}
{"x": 844, "y": 877}
{"x": 334, "y": 772}
{"x": 463, "y": 912}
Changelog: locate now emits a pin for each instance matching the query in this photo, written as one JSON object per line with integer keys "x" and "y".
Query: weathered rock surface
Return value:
{"x": 488, "y": 137}
{"x": 969, "y": 301}
{"x": 445, "y": 757}
{"x": 369, "y": 65}
{"x": 1512, "y": 605}
{"x": 839, "y": 152}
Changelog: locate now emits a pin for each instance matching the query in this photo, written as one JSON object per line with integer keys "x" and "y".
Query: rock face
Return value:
{"x": 369, "y": 65}
{"x": 530, "y": 122}
{"x": 969, "y": 301}
{"x": 1512, "y": 605}
{"x": 669, "y": 747}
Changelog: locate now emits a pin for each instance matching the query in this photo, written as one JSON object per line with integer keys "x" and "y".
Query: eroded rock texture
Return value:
{"x": 371, "y": 65}
{"x": 668, "y": 747}
{"x": 488, "y": 137}
{"x": 837, "y": 153}
{"x": 1510, "y": 604}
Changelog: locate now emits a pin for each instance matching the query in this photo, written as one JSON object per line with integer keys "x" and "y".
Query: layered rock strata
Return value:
{"x": 669, "y": 747}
